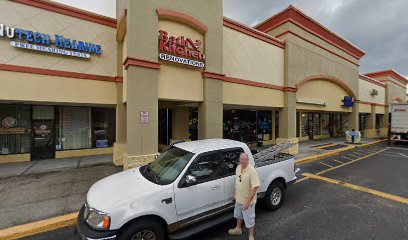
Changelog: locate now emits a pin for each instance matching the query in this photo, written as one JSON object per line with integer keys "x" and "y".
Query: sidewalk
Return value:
{"x": 308, "y": 148}
{"x": 49, "y": 165}
{"x": 36, "y": 193}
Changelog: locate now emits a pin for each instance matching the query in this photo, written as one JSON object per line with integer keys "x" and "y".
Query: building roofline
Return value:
{"x": 70, "y": 11}
{"x": 371, "y": 80}
{"x": 253, "y": 32}
{"x": 390, "y": 73}
{"x": 299, "y": 18}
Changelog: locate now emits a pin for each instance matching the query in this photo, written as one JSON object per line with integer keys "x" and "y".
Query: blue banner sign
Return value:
{"x": 44, "y": 43}
{"x": 348, "y": 101}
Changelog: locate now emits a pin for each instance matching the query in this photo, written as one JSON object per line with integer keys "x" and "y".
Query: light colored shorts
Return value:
{"x": 248, "y": 215}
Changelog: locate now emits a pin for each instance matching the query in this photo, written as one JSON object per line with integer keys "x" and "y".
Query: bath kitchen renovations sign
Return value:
{"x": 181, "y": 50}
{"x": 36, "y": 41}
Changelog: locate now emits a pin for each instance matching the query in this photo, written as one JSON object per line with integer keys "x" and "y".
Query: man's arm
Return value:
{"x": 250, "y": 197}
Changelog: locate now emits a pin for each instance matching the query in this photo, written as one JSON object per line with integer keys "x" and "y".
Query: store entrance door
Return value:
{"x": 43, "y": 139}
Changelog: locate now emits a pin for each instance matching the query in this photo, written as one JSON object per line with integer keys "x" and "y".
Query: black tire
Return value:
{"x": 144, "y": 226}
{"x": 270, "y": 201}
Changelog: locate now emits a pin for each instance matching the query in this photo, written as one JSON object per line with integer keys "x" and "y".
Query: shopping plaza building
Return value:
{"x": 74, "y": 83}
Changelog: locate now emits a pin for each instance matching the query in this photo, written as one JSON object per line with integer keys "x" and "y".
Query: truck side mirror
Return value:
{"x": 191, "y": 180}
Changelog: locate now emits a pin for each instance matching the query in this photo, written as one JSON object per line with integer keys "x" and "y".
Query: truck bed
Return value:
{"x": 278, "y": 158}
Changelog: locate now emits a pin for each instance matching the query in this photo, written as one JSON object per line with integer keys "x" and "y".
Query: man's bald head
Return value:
{"x": 243, "y": 160}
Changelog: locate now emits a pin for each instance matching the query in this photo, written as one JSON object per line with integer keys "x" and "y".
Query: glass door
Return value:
{"x": 43, "y": 139}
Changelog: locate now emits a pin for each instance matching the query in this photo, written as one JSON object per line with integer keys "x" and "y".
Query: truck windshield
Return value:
{"x": 166, "y": 168}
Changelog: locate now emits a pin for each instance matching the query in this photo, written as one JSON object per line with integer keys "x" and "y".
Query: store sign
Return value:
{"x": 181, "y": 50}
{"x": 348, "y": 101}
{"x": 9, "y": 126}
{"x": 36, "y": 41}
{"x": 9, "y": 122}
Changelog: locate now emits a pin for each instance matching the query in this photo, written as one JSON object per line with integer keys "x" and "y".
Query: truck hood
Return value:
{"x": 126, "y": 187}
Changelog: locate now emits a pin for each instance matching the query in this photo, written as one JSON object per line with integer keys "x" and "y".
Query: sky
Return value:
{"x": 379, "y": 27}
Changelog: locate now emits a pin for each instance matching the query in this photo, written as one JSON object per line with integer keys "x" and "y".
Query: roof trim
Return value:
{"x": 182, "y": 17}
{"x": 319, "y": 46}
{"x": 297, "y": 17}
{"x": 138, "y": 62}
{"x": 253, "y": 32}
{"x": 388, "y": 73}
{"x": 58, "y": 73}
{"x": 70, "y": 11}
{"x": 371, "y": 80}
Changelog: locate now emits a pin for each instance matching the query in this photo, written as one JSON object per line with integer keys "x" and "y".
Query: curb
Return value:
{"x": 372, "y": 143}
{"x": 323, "y": 155}
{"x": 42, "y": 226}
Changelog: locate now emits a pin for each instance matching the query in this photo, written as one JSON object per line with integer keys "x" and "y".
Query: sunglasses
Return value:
{"x": 240, "y": 179}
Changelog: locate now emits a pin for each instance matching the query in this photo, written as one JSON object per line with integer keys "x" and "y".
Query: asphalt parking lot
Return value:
{"x": 316, "y": 209}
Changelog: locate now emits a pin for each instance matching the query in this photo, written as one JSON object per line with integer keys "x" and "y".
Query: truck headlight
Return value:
{"x": 96, "y": 219}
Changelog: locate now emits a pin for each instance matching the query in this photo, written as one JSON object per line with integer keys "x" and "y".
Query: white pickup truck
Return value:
{"x": 187, "y": 189}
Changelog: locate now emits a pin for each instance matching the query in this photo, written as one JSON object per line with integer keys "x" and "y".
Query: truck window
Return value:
{"x": 167, "y": 167}
{"x": 206, "y": 167}
{"x": 230, "y": 159}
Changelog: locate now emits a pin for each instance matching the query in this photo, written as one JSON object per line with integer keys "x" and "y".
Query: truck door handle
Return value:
{"x": 216, "y": 187}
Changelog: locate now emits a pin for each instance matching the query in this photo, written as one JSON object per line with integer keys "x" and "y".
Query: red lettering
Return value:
{"x": 180, "y": 46}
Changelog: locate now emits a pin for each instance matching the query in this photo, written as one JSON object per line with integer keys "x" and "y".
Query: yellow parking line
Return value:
{"x": 326, "y": 164}
{"x": 342, "y": 165}
{"x": 346, "y": 157}
{"x": 325, "y": 146}
{"x": 359, "y": 153}
{"x": 337, "y": 161}
{"x": 358, "y": 188}
{"x": 354, "y": 155}
{"x": 30, "y": 229}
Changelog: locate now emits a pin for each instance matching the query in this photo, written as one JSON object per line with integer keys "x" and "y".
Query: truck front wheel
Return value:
{"x": 146, "y": 229}
{"x": 274, "y": 196}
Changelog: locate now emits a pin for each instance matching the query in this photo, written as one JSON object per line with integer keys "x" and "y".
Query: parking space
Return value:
{"x": 317, "y": 209}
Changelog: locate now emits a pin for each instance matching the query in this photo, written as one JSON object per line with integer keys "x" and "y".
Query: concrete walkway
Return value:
{"x": 51, "y": 165}
{"x": 308, "y": 148}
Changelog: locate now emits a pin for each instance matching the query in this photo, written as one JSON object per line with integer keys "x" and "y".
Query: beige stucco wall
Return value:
{"x": 244, "y": 95}
{"x": 36, "y": 19}
{"x": 179, "y": 82}
{"x": 364, "y": 108}
{"x": 323, "y": 92}
{"x": 365, "y": 89}
{"x": 380, "y": 110}
{"x": 311, "y": 37}
{"x": 34, "y": 88}
{"x": 251, "y": 59}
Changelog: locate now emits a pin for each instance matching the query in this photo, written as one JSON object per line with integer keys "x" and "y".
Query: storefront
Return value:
{"x": 315, "y": 125}
{"x": 45, "y": 132}
{"x": 130, "y": 88}
{"x": 250, "y": 126}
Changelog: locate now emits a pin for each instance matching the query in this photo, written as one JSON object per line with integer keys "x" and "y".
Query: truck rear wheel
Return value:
{"x": 146, "y": 229}
{"x": 274, "y": 196}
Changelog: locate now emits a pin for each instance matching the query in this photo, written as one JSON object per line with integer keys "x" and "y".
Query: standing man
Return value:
{"x": 246, "y": 185}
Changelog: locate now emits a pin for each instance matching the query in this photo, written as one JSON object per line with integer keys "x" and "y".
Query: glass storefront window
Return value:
{"x": 43, "y": 112}
{"x": 305, "y": 126}
{"x": 325, "y": 123}
{"x": 75, "y": 128}
{"x": 264, "y": 125}
{"x": 316, "y": 123}
{"x": 276, "y": 124}
{"x": 15, "y": 129}
{"x": 193, "y": 124}
{"x": 104, "y": 127}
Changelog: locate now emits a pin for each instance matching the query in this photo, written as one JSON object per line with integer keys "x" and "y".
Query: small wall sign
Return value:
{"x": 348, "y": 101}
{"x": 144, "y": 117}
